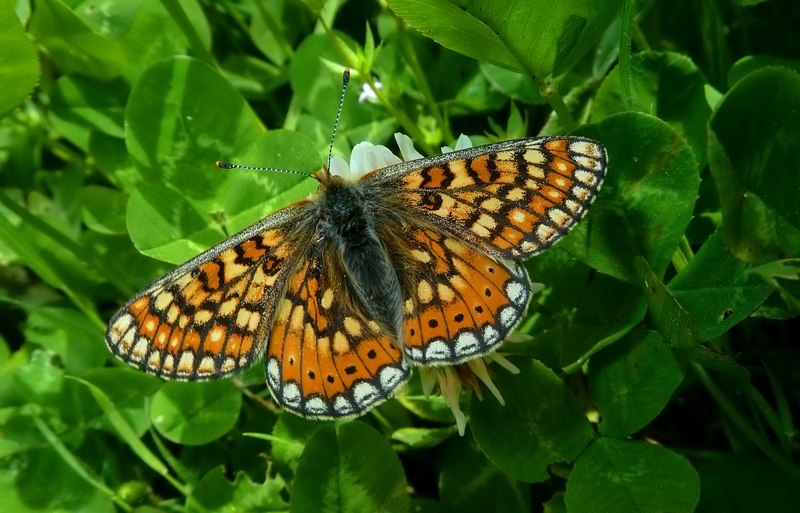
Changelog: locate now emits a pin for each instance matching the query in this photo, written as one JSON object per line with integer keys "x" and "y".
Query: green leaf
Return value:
{"x": 541, "y": 423}
{"x": 741, "y": 483}
{"x": 647, "y": 199}
{"x": 92, "y": 102}
{"x": 663, "y": 84}
{"x": 69, "y": 334}
{"x": 195, "y": 413}
{"x": 669, "y": 316}
{"x": 129, "y": 391}
{"x": 469, "y": 483}
{"x": 19, "y": 67}
{"x": 72, "y": 45}
{"x": 103, "y": 209}
{"x": 632, "y": 381}
{"x": 185, "y": 204}
{"x": 420, "y": 438}
{"x": 753, "y": 164}
{"x": 23, "y": 489}
{"x": 124, "y": 429}
{"x": 290, "y": 435}
{"x": 717, "y": 290}
{"x": 214, "y": 493}
{"x": 535, "y": 37}
{"x": 618, "y": 475}
{"x": 349, "y": 467}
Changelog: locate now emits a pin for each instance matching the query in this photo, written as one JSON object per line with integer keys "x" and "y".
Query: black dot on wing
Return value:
{"x": 330, "y": 378}
{"x": 458, "y": 317}
{"x": 487, "y": 292}
{"x": 350, "y": 370}
{"x": 412, "y": 332}
{"x": 433, "y": 323}
{"x": 311, "y": 375}
{"x": 479, "y": 308}
{"x": 490, "y": 269}
{"x": 371, "y": 354}
{"x": 291, "y": 360}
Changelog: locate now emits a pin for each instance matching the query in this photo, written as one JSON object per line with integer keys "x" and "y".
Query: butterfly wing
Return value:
{"x": 208, "y": 318}
{"x": 326, "y": 358}
{"x": 512, "y": 199}
{"x": 458, "y": 302}
{"x": 468, "y": 215}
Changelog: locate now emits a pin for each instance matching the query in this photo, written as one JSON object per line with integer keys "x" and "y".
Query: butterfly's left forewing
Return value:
{"x": 208, "y": 318}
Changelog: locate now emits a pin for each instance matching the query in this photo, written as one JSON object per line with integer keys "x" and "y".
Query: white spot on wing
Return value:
{"x": 390, "y": 377}
{"x": 291, "y": 394}
{"x": 365, "y": 393}
{"x": 491, "y": 335}
{"x": 315, "y": 406}
{"x": 342, "y": 406}
{"x": 508, "y": 316}
{"x": 466, "y": 343}
{"x": 437, "y": 350}
{"x": 516, "y": 292}
{"x": 274, "y": 374}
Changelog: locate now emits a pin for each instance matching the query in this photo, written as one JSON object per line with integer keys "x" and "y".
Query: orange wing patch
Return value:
{"x": 207, "y": 318}
{"x": 465, "y": 302}
{"x": 324, "y": 359}
{"x": 512, "y": 199}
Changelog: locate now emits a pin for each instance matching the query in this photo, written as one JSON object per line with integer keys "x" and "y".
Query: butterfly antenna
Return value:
{"x": 228, "y": 165}
{"x": 345, "y": 82}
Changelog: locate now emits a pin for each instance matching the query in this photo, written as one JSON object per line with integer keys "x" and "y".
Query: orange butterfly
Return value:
{"x": 417, "y": 263}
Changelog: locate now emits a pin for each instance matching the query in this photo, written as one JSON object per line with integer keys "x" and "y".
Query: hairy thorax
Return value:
{"x": 346, "y": 226}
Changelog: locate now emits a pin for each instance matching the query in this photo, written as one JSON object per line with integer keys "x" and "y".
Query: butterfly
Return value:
{"x": 413, "y": 264}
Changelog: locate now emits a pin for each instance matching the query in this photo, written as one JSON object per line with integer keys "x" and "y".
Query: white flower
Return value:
{"x": 367, "y": 93}
{"x": 367, "y": 157}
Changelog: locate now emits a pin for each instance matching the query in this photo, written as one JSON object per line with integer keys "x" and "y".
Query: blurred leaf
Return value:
{"x": 72, "y": 45}
{"x": 19, "y": 67}
{"x": 499, "y": 32}
{"x": 214, "y": 493}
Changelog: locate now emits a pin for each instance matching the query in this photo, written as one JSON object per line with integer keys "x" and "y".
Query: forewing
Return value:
{"x": 512, "y": 199}
{"x": 459, "y": 303}
{"x": 326, "y": 358}
{"x": 208, "y": 318}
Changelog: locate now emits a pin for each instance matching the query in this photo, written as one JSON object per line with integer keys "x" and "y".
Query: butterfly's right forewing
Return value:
{"x": 511, "y": 199}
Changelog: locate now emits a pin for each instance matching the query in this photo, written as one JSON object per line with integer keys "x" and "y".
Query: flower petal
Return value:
{"x": 462, "y": 143}
{"x": 367, "y": 157}
{"x": 406, "y": 146}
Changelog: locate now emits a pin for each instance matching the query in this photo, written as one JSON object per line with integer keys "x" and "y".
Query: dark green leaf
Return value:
{"x": 619, "y": 475}
{"x": 541, "y": 423}
{"x": 350, "y": 467}
{"x": 632, "y": 381}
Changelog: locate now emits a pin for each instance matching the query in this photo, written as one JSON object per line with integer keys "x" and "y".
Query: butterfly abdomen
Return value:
{"x": 347, "y": 224}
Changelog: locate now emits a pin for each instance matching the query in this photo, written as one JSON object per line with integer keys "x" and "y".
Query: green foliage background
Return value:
{"x": 662, "y": 369}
